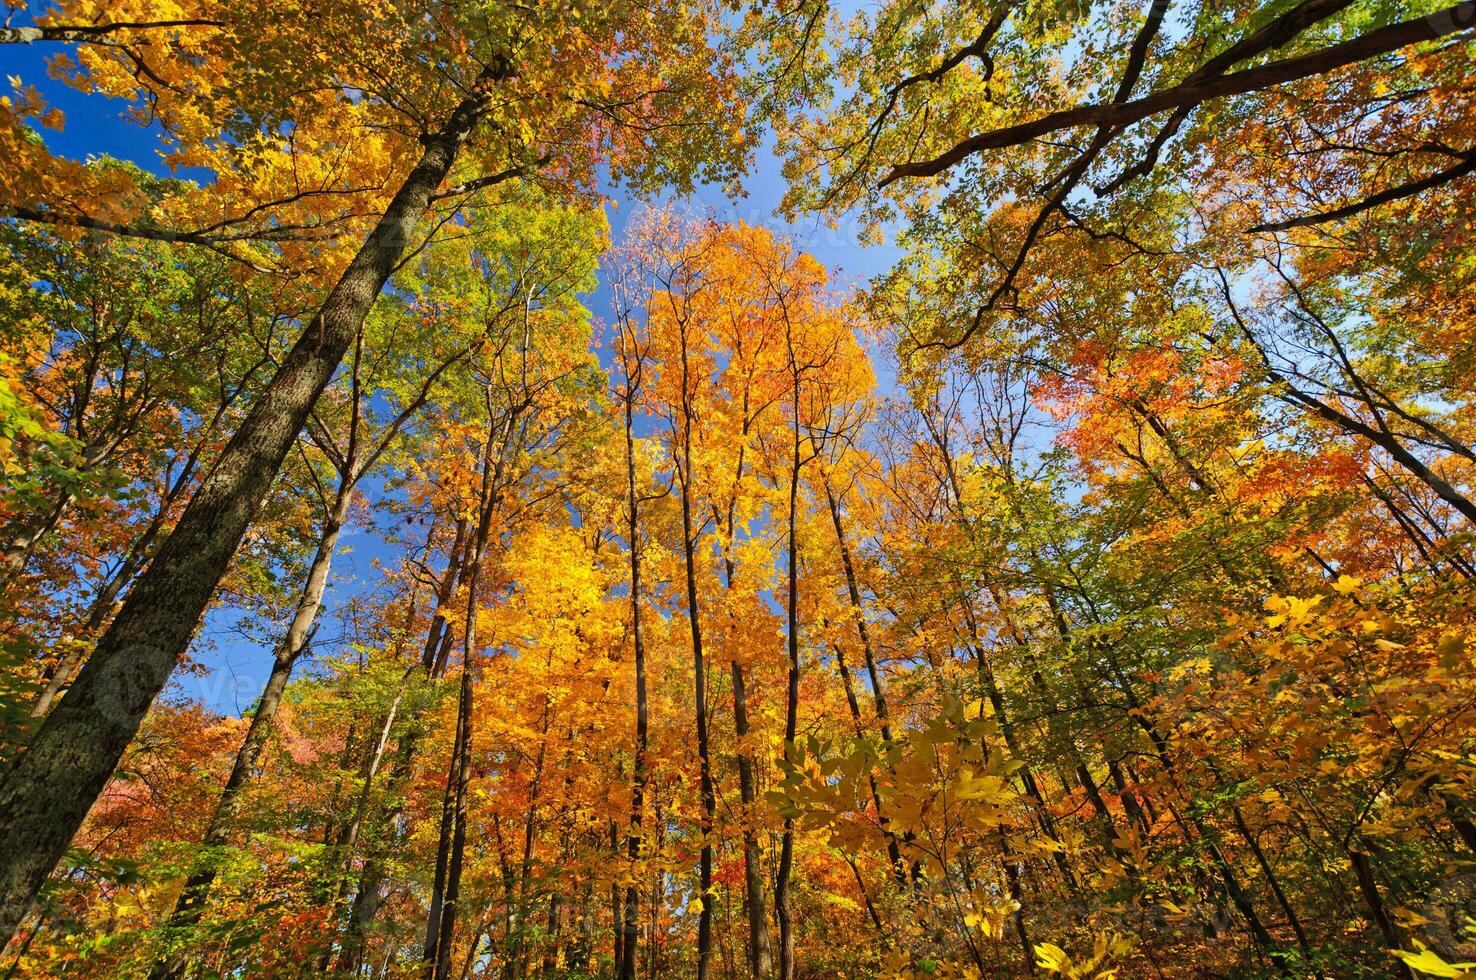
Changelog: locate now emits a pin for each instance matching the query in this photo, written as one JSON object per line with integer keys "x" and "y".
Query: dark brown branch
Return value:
{"x": 1275, "y": 34}
{"x": 978, "y": 48}
{"x": 1410, "y": 189}
{"x": 1138, "y": 55}
{"x": 489, "y": 180}
{"x": 88, "y": 33}
{"x": 1068, "y": 179}
{"x": 1192, "y": 92}
{"x": 194, "y": 237}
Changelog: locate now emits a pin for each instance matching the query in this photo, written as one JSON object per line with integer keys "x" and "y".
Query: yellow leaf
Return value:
{"x": 1049, "y": 956}
{"x": 1428, "y": 962}
{"x": 1452, "y": 649}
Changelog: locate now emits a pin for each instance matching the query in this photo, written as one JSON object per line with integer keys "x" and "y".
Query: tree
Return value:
{"x": 68, "y": 761}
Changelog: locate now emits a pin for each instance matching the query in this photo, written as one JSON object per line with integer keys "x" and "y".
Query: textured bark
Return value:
{"x": 138, "y": 554}
{"x": 760, "y": 951}
{"x": 289, "y": 650}
{"x": 48, "y": 791}
{"x": 627, "y": 934}
{"x": 23, "y": 537}
{"x": 97, "y": 614}
{"x": 759, "y": 948}
{"x": 699, "y": 669}
{"x": 102, "y": 604}
{"x": 1368, "y": 887}
{"x": 782, "y": 910}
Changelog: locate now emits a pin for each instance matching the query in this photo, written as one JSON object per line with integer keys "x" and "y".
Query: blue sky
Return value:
{"x": 238, "y": 665}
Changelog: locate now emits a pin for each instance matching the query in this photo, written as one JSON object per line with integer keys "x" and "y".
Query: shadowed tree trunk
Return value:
{"x": 289, "y": 650}
{"x": 446, "y": 891}
{"x": 782, "y": 909}
{"x": 759, "y": 948}
{"x": 626, "y": 926}
{"x": 699, "y": 669}
{"x": 48, "y": 791}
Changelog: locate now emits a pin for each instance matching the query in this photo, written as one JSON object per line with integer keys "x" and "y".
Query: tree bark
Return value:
{"x": 23, "y": 537}
{"x": 782, "y": 909}
{"x": 451, "y": 853}
{"x": 289, "y": 650}
{"x": 49, "y": 790}
{"x": 627, "y": 931}
{"x": 878, "y": 691}
{"x": 1368, "y": 886}
{"x": 760, "y": 950}
{"x": 365, "y": 904}
{"x": 699, "y": 669}
{"x": 446, "y": 893}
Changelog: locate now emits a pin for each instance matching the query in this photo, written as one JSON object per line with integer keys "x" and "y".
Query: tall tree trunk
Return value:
{"x": 858, "y": 609}
{"x": 97, "y": 614}
{"x": 1265, "y": 864}
{"x": 289, "y": 650}
{"x": 365, "y": 904}
{"x": 1129, "y": 799}
{"x": 699, "y": 669}
{"x": 878, "y": 688}
{"x": 23, "y": 537}
{"x": 48, "y": 791}
{"x": 446, "y": 892}
{"x": 782, "y": 909}
{"x": 139, "y": 551}
{"x": 437, "y": 902}
{"x": 894, "y": 849}
{"x": 1368, "y": 886}
{"x": 982, "y": 666}
{"x": 760, "y": 950}
{"x": 517, "y": 957}
{"x": 451, "y": 853}
{"x": 627, "y": 925}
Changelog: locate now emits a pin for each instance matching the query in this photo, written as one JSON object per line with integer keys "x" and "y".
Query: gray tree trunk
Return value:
{"x": 50, "y": 789}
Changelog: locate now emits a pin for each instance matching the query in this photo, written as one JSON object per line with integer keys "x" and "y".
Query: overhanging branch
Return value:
{"x": 88, "y": 33}
{"x": 1192, "y": 92}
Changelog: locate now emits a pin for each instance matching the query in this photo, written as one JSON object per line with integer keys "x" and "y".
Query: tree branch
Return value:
{"x": 1192, "y": 91}
{"x": 89, "y": 33}
{"x": 1466, "y": 166}
{"x": 490, "y": 180}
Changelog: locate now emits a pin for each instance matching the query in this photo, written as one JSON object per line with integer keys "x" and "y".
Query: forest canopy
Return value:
{"x": 1086, "y": 590}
